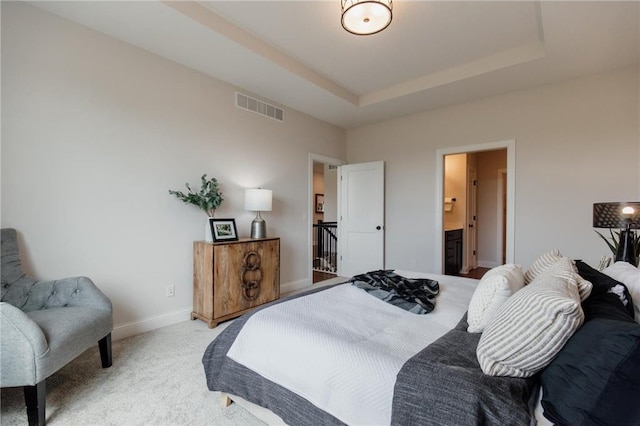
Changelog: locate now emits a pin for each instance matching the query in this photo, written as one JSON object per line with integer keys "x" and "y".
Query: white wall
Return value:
{"x": 94, "y": 133}
{"x": 577, "y": 142}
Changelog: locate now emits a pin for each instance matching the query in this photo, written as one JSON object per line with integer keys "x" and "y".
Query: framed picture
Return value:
{"x": 319, "y": 203}
{"x": 223, "y": 230}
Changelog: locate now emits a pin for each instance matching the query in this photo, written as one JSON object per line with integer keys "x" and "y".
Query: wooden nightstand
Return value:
{"x": 231, "y": 278}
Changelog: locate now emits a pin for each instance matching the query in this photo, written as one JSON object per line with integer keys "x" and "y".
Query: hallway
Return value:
{"x": 321, "y": 276}
{"x": 476, "y": 273}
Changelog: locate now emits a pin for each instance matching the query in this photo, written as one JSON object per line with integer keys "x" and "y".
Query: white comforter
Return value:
{"x": 342, "y": 348}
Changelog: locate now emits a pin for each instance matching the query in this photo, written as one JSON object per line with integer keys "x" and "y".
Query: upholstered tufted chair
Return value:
{"x": 44, "y": 325}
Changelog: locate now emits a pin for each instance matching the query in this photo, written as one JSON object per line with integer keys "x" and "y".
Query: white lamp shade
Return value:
{"x": 257, "y": 200}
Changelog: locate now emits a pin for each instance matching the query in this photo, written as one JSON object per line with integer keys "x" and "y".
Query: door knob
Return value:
{"x": 378, "y": 227}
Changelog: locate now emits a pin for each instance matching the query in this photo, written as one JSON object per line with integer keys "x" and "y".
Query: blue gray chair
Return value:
{"x": 44, "y": 325}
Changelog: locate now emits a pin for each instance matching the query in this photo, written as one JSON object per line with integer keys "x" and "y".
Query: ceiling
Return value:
{"x": 434, "y": 53}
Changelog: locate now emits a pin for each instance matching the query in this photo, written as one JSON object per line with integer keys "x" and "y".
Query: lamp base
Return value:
{"x": 258, "y": 227}
{"x": 626, "y": 250}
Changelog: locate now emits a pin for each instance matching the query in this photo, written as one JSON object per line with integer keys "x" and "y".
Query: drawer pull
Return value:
{"x": 251, "y": 275}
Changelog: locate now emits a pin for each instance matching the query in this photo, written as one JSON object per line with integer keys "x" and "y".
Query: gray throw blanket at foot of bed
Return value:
{"x": 416, "y": 295}
{"x": 443, "y": 385}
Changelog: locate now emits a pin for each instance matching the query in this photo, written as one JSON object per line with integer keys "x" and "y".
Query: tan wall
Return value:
{"x": 489, "y": 163}
{"x": 330, "y": 194}
{"x": 577, "y": 142}
{"x": 455, "y": 186}
{"x": 94, "y": 133}
{"x": 318, "y": 188}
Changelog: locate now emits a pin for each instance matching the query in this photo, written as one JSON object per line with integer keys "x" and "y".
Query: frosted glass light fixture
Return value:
{"x": 258, "y": 200}
{"x": 365, "y": 17}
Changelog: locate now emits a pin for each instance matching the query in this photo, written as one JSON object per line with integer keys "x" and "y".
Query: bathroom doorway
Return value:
{"x": 476, "y": 215}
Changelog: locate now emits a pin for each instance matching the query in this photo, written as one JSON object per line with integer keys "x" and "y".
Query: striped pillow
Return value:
{"x": 540, "y": 264}
{"x": 550, "y": 258}
{"x": 532, "y": 325}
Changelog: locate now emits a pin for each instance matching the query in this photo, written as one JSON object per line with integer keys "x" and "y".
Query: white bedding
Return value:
{"x": 342, "y": 348}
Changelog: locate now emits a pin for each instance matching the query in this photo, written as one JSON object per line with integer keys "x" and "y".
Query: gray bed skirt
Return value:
{"x": 441, "y": 385}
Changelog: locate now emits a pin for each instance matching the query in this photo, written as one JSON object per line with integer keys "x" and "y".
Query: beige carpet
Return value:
{"x": 157, "y": 378}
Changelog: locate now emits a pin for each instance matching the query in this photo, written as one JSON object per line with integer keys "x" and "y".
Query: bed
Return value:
{"x": 337, "y": 355}
{"x": 392, "y": 363}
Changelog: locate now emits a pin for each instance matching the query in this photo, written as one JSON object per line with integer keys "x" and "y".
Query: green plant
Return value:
{"x": 209, "y": 198}
{"x": 614, "y": 241}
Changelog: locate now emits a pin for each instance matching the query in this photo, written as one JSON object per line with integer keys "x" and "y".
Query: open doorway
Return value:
{"x": 323, "y": 223}
{"x": 473, "y": 214}
{"x": 475, "y": 211}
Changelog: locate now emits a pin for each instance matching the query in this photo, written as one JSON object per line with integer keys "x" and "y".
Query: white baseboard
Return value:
{"x": 488, "y": 264}
{"x": 142, "y": 326}
{"x": 296, "y": 285}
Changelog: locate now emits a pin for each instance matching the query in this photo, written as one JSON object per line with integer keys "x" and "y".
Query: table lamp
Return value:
{"x": 624, "y": 216}
{"x": 258, "y": 200}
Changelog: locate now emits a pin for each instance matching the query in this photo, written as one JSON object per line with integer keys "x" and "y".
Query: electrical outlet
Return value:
{"x": 171, "y": 290}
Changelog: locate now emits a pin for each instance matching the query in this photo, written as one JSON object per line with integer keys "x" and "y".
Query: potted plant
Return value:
{"x": 614, "y": 241}
{"x": 208, "y": 199}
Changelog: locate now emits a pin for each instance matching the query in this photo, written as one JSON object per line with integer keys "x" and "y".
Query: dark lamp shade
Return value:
{"x": 609, "y": 215}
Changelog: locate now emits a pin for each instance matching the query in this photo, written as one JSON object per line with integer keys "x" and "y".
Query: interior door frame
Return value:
{"x": 510, "y": 146}
{"x": 502, "y": 177}
{"x": 311, "y": 206}
{"x": 470, "y": 259}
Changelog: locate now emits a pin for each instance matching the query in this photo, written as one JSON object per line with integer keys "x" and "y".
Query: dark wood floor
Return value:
{"x": 475, "y": 273}
{"x": 321, "y": 276}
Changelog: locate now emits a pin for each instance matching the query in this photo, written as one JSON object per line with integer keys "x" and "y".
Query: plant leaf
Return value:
{"x": 613, "y": 244}
{"x": 208, "y": 197}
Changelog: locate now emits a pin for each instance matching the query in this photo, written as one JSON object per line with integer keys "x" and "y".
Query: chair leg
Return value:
{"x": 105, "y": 350}
{"x": 36, "y": 398}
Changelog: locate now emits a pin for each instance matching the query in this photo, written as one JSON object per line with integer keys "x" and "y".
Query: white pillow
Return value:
{"x": 628, "y": 275}
{"x": 533, "y": 325}
{"x": 495, "y": 287}
{"x": 548, "y": 259}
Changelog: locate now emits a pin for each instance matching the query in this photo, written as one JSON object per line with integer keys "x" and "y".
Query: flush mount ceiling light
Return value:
{"x": 365, "y": 17}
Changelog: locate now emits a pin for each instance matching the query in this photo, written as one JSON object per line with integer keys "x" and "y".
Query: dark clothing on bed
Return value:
{"x": 416, "y": 295}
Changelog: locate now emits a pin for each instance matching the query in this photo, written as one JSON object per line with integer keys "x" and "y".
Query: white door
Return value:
{"x": 361, "y": 218}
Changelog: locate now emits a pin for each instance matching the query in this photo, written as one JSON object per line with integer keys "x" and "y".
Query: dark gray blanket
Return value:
{"x": 444, "y": 385}
{"x": 441, "y": 385}
{"x": 416, "y": 295}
